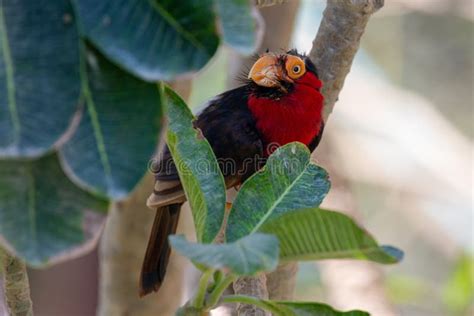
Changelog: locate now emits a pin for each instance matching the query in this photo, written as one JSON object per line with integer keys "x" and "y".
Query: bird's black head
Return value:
{"x": 275, "y": 75}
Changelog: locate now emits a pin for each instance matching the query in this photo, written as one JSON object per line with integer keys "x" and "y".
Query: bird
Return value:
{"x": 279, "y": 102}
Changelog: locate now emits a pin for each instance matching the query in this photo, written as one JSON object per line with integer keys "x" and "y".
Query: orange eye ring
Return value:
{"x": 295, "y": 67}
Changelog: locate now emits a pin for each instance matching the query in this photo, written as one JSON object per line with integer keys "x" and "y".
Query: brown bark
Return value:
{"x": 281, "y": 283}
{"x": 122, "y": 249}
{"x": 337, "y": 42}
{"x": 252, "y": 286}
{"x": 17, "y": 288}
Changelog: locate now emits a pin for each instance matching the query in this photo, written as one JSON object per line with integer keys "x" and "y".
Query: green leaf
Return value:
{"x": 288, "y": 181}
{"x": 315, "y": 234}
{"x": 247, "y": 256}
{"x": 198, "y": 170}
{"x": 278, "y": 308}
{"x": 239, "y": 24}
{"x": 43, "y": 215}
{"x": 39, "y": 75}
{"x": 311, "y": 309}
{"x": 118, "y": 132}
{"x": 154, "y": 39}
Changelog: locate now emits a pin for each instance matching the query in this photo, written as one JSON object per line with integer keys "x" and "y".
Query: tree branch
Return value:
{"x": 351, "y": 284}
{"x": 17, "y": 287}
{"x": 255, "y": 287}
{"x": 337, "y": 42}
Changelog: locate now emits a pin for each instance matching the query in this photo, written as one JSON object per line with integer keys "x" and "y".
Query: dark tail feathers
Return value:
{"x": 158, "y": 249}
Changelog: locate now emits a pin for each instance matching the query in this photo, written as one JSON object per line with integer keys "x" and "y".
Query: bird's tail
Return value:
{"x": 158, "y": 249}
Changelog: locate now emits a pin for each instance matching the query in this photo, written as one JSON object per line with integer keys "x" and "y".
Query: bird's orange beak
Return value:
{"x": 267, "y": 71}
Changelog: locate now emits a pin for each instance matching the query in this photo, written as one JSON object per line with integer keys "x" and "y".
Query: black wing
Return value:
{"x": 231, "y": 131}
{"x": 315, "y": 142}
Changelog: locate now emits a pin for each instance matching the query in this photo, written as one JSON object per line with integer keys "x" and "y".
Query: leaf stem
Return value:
{"x": 202, "y": 289}
{"x": 244, "y": 299}
{"x": 219, "y": 289}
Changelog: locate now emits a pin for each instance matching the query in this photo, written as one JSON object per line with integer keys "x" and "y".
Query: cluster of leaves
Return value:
{"x": 80, "y": 112}
{"x": 274, "y": 218}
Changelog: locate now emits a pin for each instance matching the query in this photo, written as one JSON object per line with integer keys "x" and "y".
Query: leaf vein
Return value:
{"x": 9, "y": 72}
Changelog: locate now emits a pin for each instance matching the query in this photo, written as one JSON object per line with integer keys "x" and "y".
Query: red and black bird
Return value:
{"x": 279, "y": 103}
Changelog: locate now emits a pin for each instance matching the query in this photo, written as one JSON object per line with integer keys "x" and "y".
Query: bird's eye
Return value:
{"x": 295, "y": 67}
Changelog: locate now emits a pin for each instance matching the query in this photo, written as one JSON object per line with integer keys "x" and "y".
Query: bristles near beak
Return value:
{"x": 266, "y": 71}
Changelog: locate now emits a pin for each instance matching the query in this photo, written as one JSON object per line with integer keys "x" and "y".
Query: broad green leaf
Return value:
{"x": 315, "y": 234}
{"x": 288, "y": 181}
{"x": 39, "y": 75}
{"x": 154, "y": 39}
{"x": 118, "y": 131}
{"x": 247, "y": 256}
{"x": 239, "y": 25}
{"x": 306, "y": 309}
{"x": 197, "y": 166}
{"x": 312, "y": 309}
{"x": 43, "y": 216}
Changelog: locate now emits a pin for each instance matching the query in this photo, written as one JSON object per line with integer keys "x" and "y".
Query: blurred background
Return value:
{"x": 400, "y": 143}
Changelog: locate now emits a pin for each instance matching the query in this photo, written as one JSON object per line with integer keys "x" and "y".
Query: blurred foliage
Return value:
{"x": 408, "y": 290}
{"x": 239, "y": 26}
{"x": 118, "y": 130}
{"x": 309, "y": 283}
{"x": 162, "y": 39}
{"x": 77, "y": 85}
{"x": 431, "y": 55}
{"x": 43, "y": 214}
{"x": 210, "y": 81}
{"x": 458, "y": 293}
{"x": 455, "y": 298}
{"x": 39, "y": 75}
